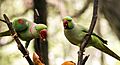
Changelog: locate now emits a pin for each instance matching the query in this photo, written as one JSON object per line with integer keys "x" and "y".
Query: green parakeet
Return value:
{"x": 75, "y": 34}
{"x": 27, "y": 30}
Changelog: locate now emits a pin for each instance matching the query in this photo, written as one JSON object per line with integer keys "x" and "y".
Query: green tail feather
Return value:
{"x": 106, "y": 50}
{"x": 6, "y": 33}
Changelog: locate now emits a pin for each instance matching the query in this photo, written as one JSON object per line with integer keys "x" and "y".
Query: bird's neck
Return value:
{"x": 32, "y": 29}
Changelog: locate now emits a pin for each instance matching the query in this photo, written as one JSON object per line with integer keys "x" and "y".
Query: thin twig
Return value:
{"x": 19, "y": 44}
{"x": 2, "y": 20}
{"x": 80, "y": 12}
{"x": 85, "y": 59}
{"x": 88, "y": 36}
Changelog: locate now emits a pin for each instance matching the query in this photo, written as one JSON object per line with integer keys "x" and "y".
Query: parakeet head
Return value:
{"x": 67, "y": 22}
{"x": 42, "y": 30}
{"x": 20, "y": 24}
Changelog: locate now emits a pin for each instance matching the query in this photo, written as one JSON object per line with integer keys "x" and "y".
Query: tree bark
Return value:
{"x": 41, "y": 48}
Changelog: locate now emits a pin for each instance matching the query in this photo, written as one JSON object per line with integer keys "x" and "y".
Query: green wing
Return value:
{"x": 98, "y": 43}
{"x": 104, "y": 41}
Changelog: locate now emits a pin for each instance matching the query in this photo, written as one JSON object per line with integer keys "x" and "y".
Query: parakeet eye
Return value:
{"x": 69, "y": 20}
{"x": 20, "y": 21}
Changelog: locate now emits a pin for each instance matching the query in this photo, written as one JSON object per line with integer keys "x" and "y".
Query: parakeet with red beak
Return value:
{"x": 27, "y": 30}
{"x": 75, "y": 33}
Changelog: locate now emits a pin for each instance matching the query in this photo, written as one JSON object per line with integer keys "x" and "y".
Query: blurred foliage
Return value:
{"x": 60, "y": 49}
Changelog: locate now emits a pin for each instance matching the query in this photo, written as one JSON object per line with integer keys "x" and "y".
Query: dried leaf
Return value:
{"x": 68, "y": 63}
{"x": 36, "y": 60}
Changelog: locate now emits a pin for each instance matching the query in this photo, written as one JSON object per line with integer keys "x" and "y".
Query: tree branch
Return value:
{"x": 85, "y": 59}
{"x": 83, "y": 9}
{"x": 41, "y": 47}
{"x": 88, "y": 36}
{"x": 37, "y": 45}
{"x": 19, "y": 44}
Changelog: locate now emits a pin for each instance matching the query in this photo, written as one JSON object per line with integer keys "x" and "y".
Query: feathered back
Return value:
{"x": 20, "y": 24}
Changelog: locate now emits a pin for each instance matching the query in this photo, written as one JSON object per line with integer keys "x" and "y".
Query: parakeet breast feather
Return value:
{"x": 76, "y": 34}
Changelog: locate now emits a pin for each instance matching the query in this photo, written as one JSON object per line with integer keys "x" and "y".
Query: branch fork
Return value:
{"x": 86, "y": 39}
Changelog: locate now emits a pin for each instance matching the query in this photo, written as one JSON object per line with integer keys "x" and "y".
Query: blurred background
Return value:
{"x": 59, "y": 48}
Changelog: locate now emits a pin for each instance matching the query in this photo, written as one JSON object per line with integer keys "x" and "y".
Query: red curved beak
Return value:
{"x": 43, "y": 34}
{"x": 65, "y": 23}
